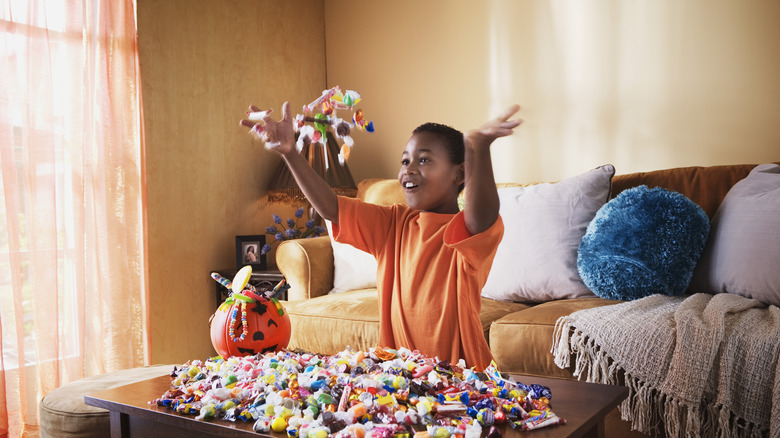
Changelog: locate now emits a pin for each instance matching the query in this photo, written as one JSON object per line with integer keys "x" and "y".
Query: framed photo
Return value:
{"x": 248, "y": 252}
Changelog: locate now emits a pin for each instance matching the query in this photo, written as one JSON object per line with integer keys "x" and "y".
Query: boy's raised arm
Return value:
{"x": 279, "y": 137}
{"x": 481, "y": 197}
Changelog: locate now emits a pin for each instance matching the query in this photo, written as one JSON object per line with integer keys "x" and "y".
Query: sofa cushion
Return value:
{"x": 536, "y": 260}
{"x": 493, "y": 310}
{"x": 352, "y": 268}
{"x": 643, "y": 242}
{"x": 521, "y": 341}
{"x": 328, "y": 324}
{"x": 743, "y": 250}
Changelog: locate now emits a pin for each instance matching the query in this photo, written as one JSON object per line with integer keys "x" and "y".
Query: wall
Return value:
{"x": 202, "y": 63}
{"x": 642, "y": 85}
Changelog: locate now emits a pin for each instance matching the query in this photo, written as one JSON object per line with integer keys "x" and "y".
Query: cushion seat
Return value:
{"x": 63, "y": 412}
{"x": 521, "y": 341}
{"x": 328, "y": 324}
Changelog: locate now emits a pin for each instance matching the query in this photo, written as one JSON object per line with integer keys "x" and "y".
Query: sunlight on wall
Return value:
{"x": 642, "y": 85}
{"x": 576, "y": 78}
{"x": 508, "y": 154}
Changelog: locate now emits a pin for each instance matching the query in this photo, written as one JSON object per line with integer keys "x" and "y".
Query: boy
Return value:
{"x": 433, "y": 260}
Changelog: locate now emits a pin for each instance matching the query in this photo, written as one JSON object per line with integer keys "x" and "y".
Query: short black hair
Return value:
{"x": 452, "y": 138}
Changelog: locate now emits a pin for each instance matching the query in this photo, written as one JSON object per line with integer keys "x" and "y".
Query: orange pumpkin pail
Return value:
{"x": 248, "y": 323}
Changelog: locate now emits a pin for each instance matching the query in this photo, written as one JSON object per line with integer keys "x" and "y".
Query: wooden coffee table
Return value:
{"x": 583, "y": 405}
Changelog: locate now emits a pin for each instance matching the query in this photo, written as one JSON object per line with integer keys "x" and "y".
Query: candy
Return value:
{"x": 542, "y": 422}
{"x": 318, "y": 432}
{"x": 361, "y": 122}
{"x": 539, "y": 391}
{"x": 207, "y": 412}
{"x": 354, "y": 395}
{"x": 423, "y": 370}
{"x": 327, "y": 94}
{"x": 222, "y": 280}
{"x": 324, "y": 109}
{"x": 493, "y": 432}
{"x": 241, "y": 279}
{"x": 485, "y": 417}
{"x": 233, "y": 323}
{"x": 279, "y": 424}
{"x": 278, "y": 306}
{"x": 262, "y": 425}
{"x": 257, "y": 116}
{"x": 279, "y": 288}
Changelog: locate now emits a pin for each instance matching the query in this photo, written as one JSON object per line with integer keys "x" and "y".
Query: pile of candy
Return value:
{"x": 379, "y": 393}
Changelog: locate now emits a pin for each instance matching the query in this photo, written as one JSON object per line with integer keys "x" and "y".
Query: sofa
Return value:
{"x": 519, "y": 331}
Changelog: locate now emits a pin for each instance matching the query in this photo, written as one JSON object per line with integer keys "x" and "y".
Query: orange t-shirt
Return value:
{"x": 431, "y": 272}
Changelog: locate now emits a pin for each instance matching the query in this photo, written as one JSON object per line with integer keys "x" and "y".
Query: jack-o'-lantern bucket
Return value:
{"x": 248, "y": 323}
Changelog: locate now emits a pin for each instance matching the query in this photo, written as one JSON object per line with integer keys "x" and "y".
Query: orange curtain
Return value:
{"x": 72, "y": 244}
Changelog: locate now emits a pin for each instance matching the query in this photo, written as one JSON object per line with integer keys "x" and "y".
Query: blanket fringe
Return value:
{"x": 638, "y": 407}
{"x": 649, "y": 411}
{"x": 591, "y": 363}
{"x": 560, "y": 347}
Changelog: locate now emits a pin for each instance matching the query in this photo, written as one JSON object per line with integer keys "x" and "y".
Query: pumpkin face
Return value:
{"x": 266, "y": 329}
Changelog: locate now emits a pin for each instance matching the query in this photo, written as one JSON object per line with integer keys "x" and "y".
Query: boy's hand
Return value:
{"x": 482, "y": 203}
{"x": 277, "y": 136}
{"x": 501, "y": 126}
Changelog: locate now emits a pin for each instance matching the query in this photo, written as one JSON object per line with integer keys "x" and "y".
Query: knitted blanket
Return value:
{"x": 701, "y": 365}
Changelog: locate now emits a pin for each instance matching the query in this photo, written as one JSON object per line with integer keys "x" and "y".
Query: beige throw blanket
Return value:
{"x": 701, "y": 365}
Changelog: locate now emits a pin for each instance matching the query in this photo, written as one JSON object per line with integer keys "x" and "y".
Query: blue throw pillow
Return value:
{"x": 643, "y": 242}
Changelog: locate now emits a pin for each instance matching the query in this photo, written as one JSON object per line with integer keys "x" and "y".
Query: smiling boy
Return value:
{"x": 433, "y": 259}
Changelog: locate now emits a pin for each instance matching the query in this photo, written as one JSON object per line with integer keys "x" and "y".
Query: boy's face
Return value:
{"x": 429, "y": 178}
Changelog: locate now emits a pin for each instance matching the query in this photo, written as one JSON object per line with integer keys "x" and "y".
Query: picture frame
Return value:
{"x": 248, "y": 252}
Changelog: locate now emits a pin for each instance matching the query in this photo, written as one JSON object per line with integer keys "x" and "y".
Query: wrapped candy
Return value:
{"x": 361, "y": 122}
{"x": 353, "y": 394}
{"x": 318, "y": 117}
{"x": 262, "y": 425}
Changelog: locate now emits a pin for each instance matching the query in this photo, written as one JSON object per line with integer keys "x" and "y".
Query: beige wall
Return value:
{"x": 202, "y": 63}
{"x": 641, "y": 84}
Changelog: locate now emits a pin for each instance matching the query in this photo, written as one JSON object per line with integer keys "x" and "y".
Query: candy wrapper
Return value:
{"x": 377, "y": 393}
{"x": 318, "y": 117}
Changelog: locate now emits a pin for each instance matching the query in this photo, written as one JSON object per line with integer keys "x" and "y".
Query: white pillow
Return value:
{"x": 352, "y": 268}
{"x": 742, "y": 254}
{"x": 536, "y": 260}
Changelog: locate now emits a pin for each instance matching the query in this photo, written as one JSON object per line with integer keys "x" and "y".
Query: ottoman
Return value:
{"x": 63, "y": 413}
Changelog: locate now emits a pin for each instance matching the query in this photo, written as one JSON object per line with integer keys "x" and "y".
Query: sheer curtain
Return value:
{"x": 72, "y": 262}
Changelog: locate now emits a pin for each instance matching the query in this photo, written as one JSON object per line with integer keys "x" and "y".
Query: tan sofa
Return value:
{"x": 520, "y": 335}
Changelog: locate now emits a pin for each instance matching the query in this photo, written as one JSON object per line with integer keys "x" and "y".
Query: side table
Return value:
{"x": 263, "y": 280}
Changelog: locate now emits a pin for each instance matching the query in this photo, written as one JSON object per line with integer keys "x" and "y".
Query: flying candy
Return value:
{"x": 314, "y": 128}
